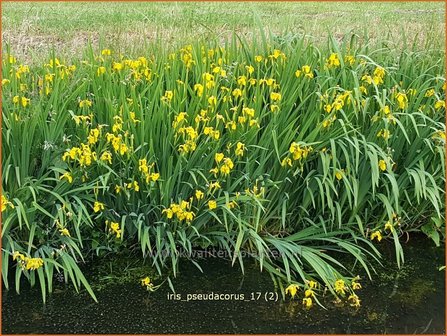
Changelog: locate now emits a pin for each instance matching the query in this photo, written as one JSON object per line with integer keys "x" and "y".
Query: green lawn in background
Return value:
{"x": 34, "y": 28}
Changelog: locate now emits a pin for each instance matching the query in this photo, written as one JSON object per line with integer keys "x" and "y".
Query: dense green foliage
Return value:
{"x": 260, "y": 147}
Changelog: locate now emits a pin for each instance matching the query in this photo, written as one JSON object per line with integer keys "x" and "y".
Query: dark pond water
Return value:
{"x": 409, "y": 300}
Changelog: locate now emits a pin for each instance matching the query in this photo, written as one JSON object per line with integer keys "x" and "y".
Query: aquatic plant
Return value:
{"x": 261, "y": 147}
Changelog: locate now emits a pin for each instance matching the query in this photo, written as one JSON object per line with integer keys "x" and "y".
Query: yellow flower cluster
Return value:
{"x": 309, "y": 292}
{"x": 83, "y": 155}
{"x": 20, "y": 71}
{"x": 385, "y": 112}
{"x": 94, "y": 135}
{"x": 339, "y": 173}
{"x": 182, "y": 211}
{"x": 138, "y": 68}
{"x": 214, "y": 186}
{"x": 211, "y": 132}
{"x": 146, "y": 170}
{"x": 63, "y": 230}
{"x": 401, "y": 99}
{"x": 354, "y": 300}
{"x": 341, "y": 288}
{"x": 339, "y": 101}
{"x": 269, "y": 82}
{"x": 349, "y": 60}
{"x": 429, "y": 93}
{"x": 186, "y": 56}
{"x": 85, "y": 103}
{"x": 240, "y": 148}
{"x": 389, "y": 226}
{"x": 292, "y": 289}
{"x": 224, "y": 165}
{"x": 384, "y": 133}
{"x": 439, "y": 104}
{"x": 118, "y": 144}
{"x": 114, "y": 228}
{"x": 81, "y": 118}
{"x": 98, "y": 206}
{"x": 277, "y": 54}
{"x": 132, "y": 185}
{"x": 275, "y": 96}
{"x": 63, "y": 70}
{"x": 297, "y": 152}
{"x": 439, "y": 135}
{"x": 5, "y": 203}
{"x": 355, "y": 284}
{"x": 328, "y": 121}
{"x": 306, "y": 71}
{"x": 106, "y": 156}
{"x": 245, "y": 118}
{"x": 54, "y": 68}
{"x": 179, "y": 119}
{"x": 146, "y": 282}
{"x": 257, "y": 192}
{"x": 67, "y": 176}
{"x": 23, "y": 101}
{"x": 212, "y": 204}
{"x": 188, "y": 134}
{"x": 382, "y": 165}
{"x": 27, "y": 262}
{"x": 332, "y": 61}
{"x": 377, "y": 78}
{"x": 167, "y": 97}
{"x": 376, "y": 235}
{"x": 199, "y": 194}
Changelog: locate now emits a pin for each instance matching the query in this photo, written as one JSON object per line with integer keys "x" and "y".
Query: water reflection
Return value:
{"x": 409, "y": 300}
